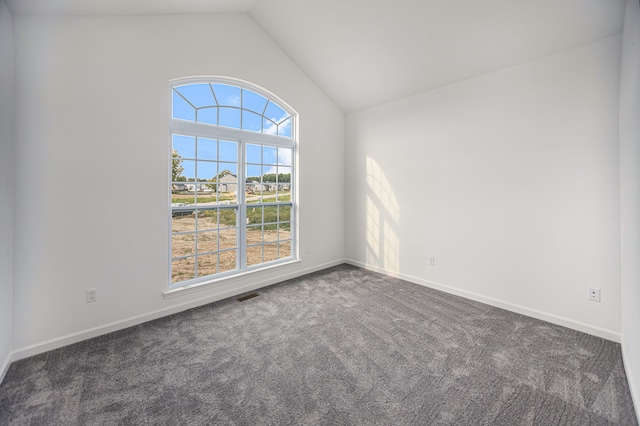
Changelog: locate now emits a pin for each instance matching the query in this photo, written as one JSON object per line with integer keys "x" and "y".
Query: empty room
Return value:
{"x": 337, "y": 212}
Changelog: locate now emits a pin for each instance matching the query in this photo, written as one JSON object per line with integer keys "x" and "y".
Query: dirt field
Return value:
{"x": 269, "y": 245}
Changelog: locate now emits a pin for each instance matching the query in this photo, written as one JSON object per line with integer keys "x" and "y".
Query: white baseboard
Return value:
{"x": 69, "y": 339}
{"x": 5, "y": 366}
{"x": 59, "y": 342}
{"x": 554, "y": 319}
{"x": 635, "y": 392}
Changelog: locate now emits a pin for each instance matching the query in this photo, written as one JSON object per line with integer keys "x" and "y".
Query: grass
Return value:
{"x": 271, "y": 198}
{"x": 267, "y": 197}
{"x": 188, "y": 197}
{"x": 256, "y": 215}
{"x": 270, "y": 214}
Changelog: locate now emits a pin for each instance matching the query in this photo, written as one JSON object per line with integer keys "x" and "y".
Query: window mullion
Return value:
{"x": 242, "y": 214}
{"x": 205, "y": 130}
{"x": 196, "y": 211}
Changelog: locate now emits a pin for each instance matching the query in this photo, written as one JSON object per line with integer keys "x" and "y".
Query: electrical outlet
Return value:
{"x": 432, "y": 261}
{"x": 91, "y": 295}
{"x": 594, "y": 294}
{"x": 307, "y": 249}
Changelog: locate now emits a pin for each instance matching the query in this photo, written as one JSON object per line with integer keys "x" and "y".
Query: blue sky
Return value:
{"x": 215, "y": 156}
{"x": 230, "y": 106}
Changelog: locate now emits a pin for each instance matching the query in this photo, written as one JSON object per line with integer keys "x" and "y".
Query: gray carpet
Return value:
{"x": 342, "y": 346}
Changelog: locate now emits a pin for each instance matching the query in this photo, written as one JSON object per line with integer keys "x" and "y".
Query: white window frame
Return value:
{"x": 242, "y": 137}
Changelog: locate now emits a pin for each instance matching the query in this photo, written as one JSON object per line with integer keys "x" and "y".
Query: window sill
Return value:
{"x": 192, "y": 288}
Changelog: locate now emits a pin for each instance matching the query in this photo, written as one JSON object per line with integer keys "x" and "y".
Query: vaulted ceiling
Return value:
{"x": 366, "y": 52}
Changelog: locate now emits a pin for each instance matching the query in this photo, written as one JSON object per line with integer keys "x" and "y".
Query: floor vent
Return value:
{"x": 247, "y": 297}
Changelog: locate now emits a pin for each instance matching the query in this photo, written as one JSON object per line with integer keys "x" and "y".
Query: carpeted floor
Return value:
{"x": 343, "y": 346}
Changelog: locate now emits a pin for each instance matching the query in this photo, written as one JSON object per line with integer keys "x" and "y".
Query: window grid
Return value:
{"x": 204, "y": 191}
{"x": 267, "y": 237}
{"x": 274, "y": 230}
{"x": 284, "y": 121}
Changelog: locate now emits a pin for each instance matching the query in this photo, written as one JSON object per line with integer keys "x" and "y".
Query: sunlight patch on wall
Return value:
{"x": 382, "y": 216}
{"x": 373, "y": 224}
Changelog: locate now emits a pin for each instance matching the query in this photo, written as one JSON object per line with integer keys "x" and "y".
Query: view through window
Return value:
{"x": 232, "y": 180}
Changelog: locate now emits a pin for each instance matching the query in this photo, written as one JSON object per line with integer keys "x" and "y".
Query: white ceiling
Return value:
{"x": 367, "y": 52}
{"x": 126, "y": 7}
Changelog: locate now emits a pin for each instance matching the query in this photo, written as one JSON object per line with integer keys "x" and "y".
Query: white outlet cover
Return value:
{"x": 594, "y": 295}
{"x": 91, "y": 295}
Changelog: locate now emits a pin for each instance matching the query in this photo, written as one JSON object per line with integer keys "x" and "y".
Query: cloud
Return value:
{"x": 277, "y": 124}
{"x": 234, "y": 100}
{"x": 284, "y": 160}
{"x": 284, "y": 156}
{"x": 270, "y": 129}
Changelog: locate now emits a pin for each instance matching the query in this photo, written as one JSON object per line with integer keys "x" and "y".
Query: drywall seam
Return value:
{"x": 554, "y": 319}
{"x": 69, "y": 339}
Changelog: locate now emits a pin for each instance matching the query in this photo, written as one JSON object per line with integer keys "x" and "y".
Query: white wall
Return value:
{"x": 6, "y": 185}
{"x": 509, "y": 179}
{"x": 630, "y": 196}
{"x": 92, "y": 127}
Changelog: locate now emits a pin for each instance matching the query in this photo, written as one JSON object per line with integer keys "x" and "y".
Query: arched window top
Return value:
{"x": 235, "y": 105}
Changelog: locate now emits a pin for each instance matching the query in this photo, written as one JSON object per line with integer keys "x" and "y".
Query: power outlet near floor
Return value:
{"x": 432, "y": 261}
{"x": 593, "y": 295}
{"x": 92, "y": 295}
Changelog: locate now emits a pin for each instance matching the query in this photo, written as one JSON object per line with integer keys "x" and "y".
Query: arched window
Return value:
{"x": 232, "y": 179}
